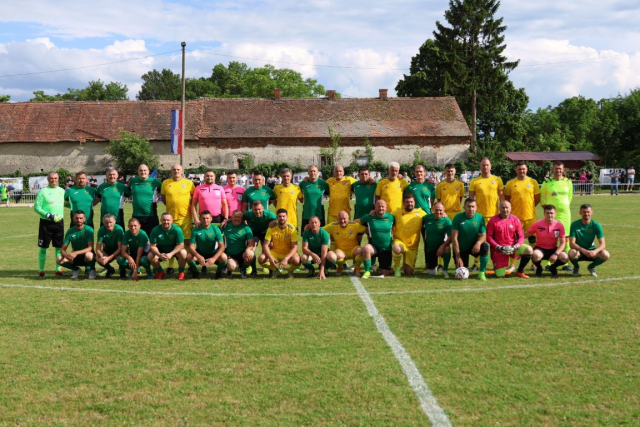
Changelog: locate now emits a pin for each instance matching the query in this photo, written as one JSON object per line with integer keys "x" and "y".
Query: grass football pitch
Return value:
{"x": 293, "y": 352}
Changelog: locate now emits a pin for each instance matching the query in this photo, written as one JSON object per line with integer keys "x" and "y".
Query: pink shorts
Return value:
{"x": 501, "y": 260}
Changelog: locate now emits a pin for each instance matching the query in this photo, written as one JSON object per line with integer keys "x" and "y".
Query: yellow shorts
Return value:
{"x": 410, "y": 255}
{"x": 185, "y": 226}
{"x": 348, "y": 254}
{"x": 526, "y": 225}
{"x": 278, "y": 256}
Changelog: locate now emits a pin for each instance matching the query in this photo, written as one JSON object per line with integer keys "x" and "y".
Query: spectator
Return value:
{"x": 615, "y": 177}
{"x": 223, "y": 179}
{"x": 69, "y": 183}
{"x": 589, "y": 183}
{"x": 623, "y": 178}
{"x": 583, "y": 182}
{"x": 271, "y": 181}
{"x": 93, "y": 182}
{"x": 631, "y": 175}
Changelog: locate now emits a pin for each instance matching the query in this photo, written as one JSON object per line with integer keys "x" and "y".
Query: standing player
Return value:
{"x": 207, "y": 246}
{"x": 258, "y": 218}
{"x": 258, "y": 191}
{"x": 111, "y": 195}
{"x": 80, "y": 237}
{"x": 379, "y": 225}
{"x": 339, "y": 193}
{"x": 239, "y": 244}
{"x": 287, "y": 196}
{"x": 135, "y": 248}
{"x": 109, "y": 246}
{"x": 234, "y": 192}
{"x": 346, "y": 236}
{"x": 581, "y": 238}
{"x": 391, "y": 188}
{"x": 558, "y": 192}
{"x": 468, "y": 237}
{"x": 365, "y": 192}
{"x": 176, "y": 193}
{"x": 406, "y": 235}
{"x": 423, "y": 191}
{"x": 437, "y": 240}
{"x": 4, "y": 196}
{"x": 284, "y": 238}
{"x": 313, "y": 189}
{"x": 166, "y": 242}
{"x": 315, "y": 246}
{"x": 505, "y": 235}
{"x": 211, "y": 197}
{"x": 550, "y": 241}
{"x": 81, "y": 197}
{"x": 49, "y": 205}
{"x": 450, "y": 192}
{"x": 144, "y": 197}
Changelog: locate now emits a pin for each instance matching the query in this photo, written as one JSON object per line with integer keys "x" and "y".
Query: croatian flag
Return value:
{"x": 176, "y": 132}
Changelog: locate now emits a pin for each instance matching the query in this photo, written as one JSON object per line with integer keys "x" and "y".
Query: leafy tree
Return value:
{"x": 504, "y": 127}
{"x": 200, "y": 88}
{"x": 464, "y": 60}
{"x": 576, "y": 116}
{"x": 130, "y": 151}
{"x": 230, "y": 81}
{"x": 5, "y": 98}
{"x": 160, "y": 85}
{"x": 95, "y": 91}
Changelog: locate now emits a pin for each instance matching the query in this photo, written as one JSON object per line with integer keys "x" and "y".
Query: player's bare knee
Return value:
{"x": 88, "y": 256}
{"x": 528, "y": 250}
{"x": 408, "y": 270}
{"x": 59, "y": 260}
{"x": 232, "y": 265}
{"x": 294, "y": 260}
{"x": 604, "y": 255}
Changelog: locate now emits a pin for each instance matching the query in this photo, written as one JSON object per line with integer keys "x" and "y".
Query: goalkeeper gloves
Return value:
{"x": 53, "y": 217}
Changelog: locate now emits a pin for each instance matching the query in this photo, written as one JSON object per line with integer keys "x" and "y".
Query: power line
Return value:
{"x": 580, "y": 60}
{"x": 90, "y": 66}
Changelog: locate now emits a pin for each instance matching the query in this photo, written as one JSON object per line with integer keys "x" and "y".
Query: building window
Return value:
{"x": 362, "y": 160}
{"x": 325, "y": 161}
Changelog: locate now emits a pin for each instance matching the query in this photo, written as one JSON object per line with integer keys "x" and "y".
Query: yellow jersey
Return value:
{"x": 391, "y": 192}
{"x": 407, "y": 226}
{"x": 522, "y": 193}
{"x": 486, "y": 190}
{"x": 450, "y": 195}
{"x": 346, "y": 239}
{"x": 282, "y": 239}
{"x": 177, "y": 198}
{"x": 287, "y": 198}
{"x": 340, "y": 194}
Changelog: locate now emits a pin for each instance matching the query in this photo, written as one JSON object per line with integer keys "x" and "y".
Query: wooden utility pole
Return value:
{"x": 184, "y": 117}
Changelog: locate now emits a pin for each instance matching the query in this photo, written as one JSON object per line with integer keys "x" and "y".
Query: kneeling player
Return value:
{"x": 406, "y": 235}
{"x": 550, "y": 242}
{"x": 259, "y": 220}
{"x": 347, "y": 236}
{"x": 135, "y": 248}
{"x": 207, "y": 246}
{"x": 581, "y": 238}
{"x": 80, "y": 237}
{"x": 504, "y": 234}
{"x": 239, "y": 244}
{"x": 109, "y": 245}
{"x": 166, "y": 242}
{"x": 468, "y": 237}
{"x": 437, "y": 239}
{"x": 280, "y": 246}
{"x": 315, "y": 246}
{"x": 380, "y": 225}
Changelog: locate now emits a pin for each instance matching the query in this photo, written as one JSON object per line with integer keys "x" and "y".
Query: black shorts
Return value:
{"x": 306, "y": 221}
{"x": 50, "y": 232}
{"x": 431, "y": 260}
{"x": 384, "y": 259}
{"x": 216, "y": 219}
{"x": 120, "y": 220}
{"x": 239, "y": 258}
{"x": 147, "y": 223}
{"x": 546, "y": 253}
{"x": 484, "y": 251}
{"x": 79, "y": 261}
{"x": 259, "y": 237}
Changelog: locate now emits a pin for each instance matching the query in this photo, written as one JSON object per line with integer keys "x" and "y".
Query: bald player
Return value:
{"x": 339, "y": 193}
{"x": 346, "y": 236}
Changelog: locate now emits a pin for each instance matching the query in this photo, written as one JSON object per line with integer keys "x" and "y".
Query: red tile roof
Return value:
{"x": 431, "y": 118}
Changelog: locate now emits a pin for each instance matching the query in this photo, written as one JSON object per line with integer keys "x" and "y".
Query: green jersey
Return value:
{"x": 259, "y": 225}
{"x": 263, "y": 194}
{"x": 316, "y": 241}
{"x": 586, "y": 234}
{"x": 206, "y": 239}
{"x": 81, "y": 199}
{"x": 424, "y": 193}
{"x": 313, "y": 192}
{"x": 133, "y": 243}
{"x": 166, "y": 240}
{"x": 78, "y": 239}
{"x": 112, "y": 198}
{"x": 436, "y": 230}
{"x": 468, "y": 229}
{"x": 3, "y": 191}
{"x": 49, "y": 200}
{"x": 379, "y": 229}
{"x": 557, "y": 193}
{"x": 110, "y": 239}
{"x": 143, "y": 195}
{"x": 365, "y": 198}
{"x": 236, "y": 238}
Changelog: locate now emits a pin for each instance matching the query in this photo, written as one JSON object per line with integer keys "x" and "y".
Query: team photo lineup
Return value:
{"x": 230, "y": 228}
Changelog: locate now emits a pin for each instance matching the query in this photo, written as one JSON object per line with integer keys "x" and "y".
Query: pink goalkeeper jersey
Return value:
{"x": 234, "y": 197}
{"x": 547, "y": 235}
{"x": 209, "y": 198}
{"x": 504, "y": 232}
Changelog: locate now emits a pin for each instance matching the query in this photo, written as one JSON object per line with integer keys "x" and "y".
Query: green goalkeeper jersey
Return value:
{"x": 49, "y": 200}
{"x": 557, "y": 193}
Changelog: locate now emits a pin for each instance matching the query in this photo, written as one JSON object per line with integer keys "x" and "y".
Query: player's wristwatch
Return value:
{"x": 557, "y": 254}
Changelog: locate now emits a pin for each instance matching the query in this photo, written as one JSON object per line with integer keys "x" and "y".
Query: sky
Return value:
{"x": 566, "y": 48}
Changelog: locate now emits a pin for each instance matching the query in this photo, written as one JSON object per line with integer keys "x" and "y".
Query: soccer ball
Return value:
{"x": 462, "y": 273}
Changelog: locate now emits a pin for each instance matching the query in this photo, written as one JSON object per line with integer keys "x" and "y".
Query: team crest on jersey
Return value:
{"x": 528, "y": 185}
{"x": 493, "y": 182}
{"x": 457, "y": 188}
{"x": 183, "y": 186}
{"x": 344, "y": 182}
{"x": 148, "y": 185}
{"x": 286, "y": 236}
{"x": 554, "y": 194}
{"x": 115, "y": 189}
{"x": 350, "y": 231}
{"x": 399, "y": 186}
{"x": 556, "y": 233}
{"x": 417, "y": 214}
{"x": 511, "y": 226}
{"x": 291, "y": 191}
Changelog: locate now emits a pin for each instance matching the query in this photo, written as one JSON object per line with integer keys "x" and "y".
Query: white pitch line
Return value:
{"x": 427, "y": 400}
{"x": 23, "y": 235}
{"x": 318, "y": 294}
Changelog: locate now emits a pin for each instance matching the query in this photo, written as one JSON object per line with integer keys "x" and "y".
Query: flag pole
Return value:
{"x": 183, "y": 44}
